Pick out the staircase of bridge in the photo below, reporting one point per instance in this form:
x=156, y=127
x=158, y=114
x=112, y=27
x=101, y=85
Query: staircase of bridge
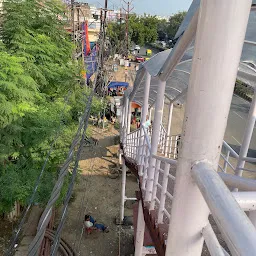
x=136, y=147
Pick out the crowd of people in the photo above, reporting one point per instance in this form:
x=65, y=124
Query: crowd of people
x=136, y=122
x=119, y=91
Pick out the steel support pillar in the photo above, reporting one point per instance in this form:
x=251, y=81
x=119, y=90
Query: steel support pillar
x=252, y=217
x=247, y=136
x=145, y=99
x=129, y=117
x=150, y=113
x=144, y=113
x=155, y=138
x=168, y=138
x=123, y=113
x=124, y=168
x=213, y=75
x=126, y=112
x=140, y=232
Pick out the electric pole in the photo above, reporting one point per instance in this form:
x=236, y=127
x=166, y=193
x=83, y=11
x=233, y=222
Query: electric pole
x=128, y=10
x=73, y=20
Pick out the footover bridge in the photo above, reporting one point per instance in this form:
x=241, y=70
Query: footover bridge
x=185, y=180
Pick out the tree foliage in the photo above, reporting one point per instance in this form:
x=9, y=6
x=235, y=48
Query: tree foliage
x=167, y=29
x=162, y=28
x=37, y=73
x=174, y=24
x=141, y=30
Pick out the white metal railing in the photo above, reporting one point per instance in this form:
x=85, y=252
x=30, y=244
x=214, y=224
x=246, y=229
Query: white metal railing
x=137, y=145
x=227, y=152
x=229, y=217
x=169, y=145
x=161, y=195
x=162, y=139
x=172, y=146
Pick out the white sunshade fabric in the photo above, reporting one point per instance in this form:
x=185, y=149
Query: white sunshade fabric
x=179, y=79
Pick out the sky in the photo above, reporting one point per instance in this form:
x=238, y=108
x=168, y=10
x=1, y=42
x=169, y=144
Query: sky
x=154, y=7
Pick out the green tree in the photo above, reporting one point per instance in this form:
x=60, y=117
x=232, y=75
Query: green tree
x=41, y=38
x=116, y=36
x=36, y=72
x=141, y=30
x=174, y=24
x=162, y=30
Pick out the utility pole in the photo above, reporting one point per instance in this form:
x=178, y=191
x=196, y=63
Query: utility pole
x=103, y=18
x=73, y=20
x=128, y=10
x=78, y=18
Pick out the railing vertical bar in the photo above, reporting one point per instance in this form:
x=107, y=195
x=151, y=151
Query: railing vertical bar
x=153, y=201
x=142, y=159
x=163, y=193
x=225, y=161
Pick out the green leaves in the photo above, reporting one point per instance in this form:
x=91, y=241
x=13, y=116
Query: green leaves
x=16, y=88
x=36, y=32
x=36, y=73
x=174, y=23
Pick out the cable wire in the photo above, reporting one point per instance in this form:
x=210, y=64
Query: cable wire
x=44, y=220
x=71, y=185
x=16, y=234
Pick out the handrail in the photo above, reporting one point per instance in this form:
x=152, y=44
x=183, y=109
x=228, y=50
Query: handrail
x=246, y=200
x=235, y=181
x=233, y=152
x=133, y=131
x=174, y=135
x=249, y=159
x=237, y=230
x=166, y=160
x=248, y=170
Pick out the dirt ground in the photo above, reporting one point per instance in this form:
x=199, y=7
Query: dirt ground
x=123, y=73
x=6, y=228
x=97, y=193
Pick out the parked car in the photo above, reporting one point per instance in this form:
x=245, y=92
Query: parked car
x=139, y=59
x=137, y=47
x=131, y=57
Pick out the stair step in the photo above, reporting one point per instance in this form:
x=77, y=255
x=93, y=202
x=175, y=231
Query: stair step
x=153, y=215
x=163, y=231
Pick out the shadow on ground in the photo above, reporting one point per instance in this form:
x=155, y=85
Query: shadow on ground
x=98, y=194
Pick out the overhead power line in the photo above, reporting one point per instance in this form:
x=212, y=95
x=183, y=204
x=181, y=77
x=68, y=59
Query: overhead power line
x=128, y=10
x=44, y=220
x=17, y=231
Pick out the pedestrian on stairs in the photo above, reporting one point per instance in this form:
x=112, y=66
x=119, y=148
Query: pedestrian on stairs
x=147, y=123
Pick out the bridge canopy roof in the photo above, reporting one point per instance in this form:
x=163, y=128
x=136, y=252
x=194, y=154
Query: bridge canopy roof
x=178, y=80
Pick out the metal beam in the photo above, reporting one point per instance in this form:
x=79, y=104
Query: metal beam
x=207, y=107
x=246, y=200
x=179, y=49
x=139, y=77
x=241, y=183
x=235, y=227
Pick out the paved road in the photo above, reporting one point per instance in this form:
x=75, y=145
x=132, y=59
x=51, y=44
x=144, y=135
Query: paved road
x=236, y=125
x=142, y=51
